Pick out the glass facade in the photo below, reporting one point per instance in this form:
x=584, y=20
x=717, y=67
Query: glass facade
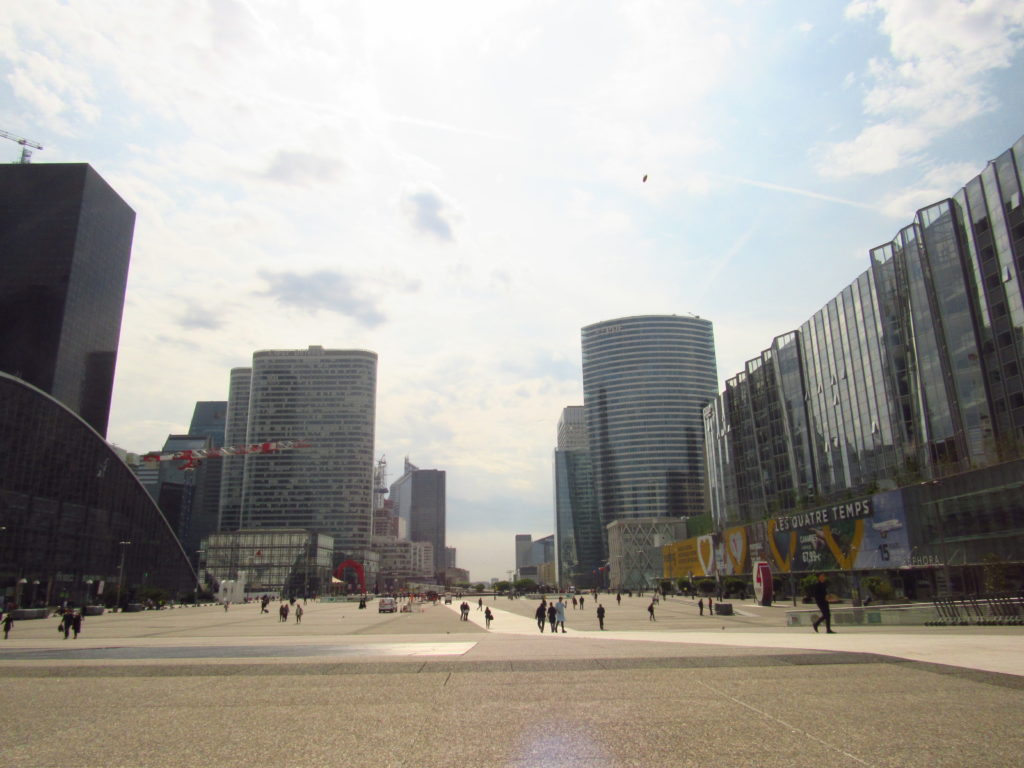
x=911, y=374
x=76, y=521
x=580, y=538
x=419, y=499
x=646, y=380
x=326, y=397
x=275, y=561
x=67, y=239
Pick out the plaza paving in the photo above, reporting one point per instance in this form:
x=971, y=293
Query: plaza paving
x=205, y=687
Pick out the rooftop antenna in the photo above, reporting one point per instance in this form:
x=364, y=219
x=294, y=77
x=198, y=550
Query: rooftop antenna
x=26, y=153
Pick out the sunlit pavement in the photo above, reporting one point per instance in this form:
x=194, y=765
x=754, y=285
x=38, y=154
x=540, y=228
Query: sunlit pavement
x=205, y=687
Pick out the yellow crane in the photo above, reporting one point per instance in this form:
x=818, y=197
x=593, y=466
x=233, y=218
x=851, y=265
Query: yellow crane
x=26, y=153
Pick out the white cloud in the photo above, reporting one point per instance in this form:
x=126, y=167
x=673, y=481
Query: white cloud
x=935, y=78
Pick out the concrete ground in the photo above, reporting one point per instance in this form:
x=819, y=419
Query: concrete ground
x=205, y=687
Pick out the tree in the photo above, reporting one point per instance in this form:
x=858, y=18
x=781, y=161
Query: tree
x=501, y=586
x=525, y=585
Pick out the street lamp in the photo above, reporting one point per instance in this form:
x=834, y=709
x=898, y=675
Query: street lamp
x=120, y=570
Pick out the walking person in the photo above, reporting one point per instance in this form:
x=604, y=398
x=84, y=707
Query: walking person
x=618, y=598
x=541, y=615
x=76, y=623
x=700, y=606
x=480, y=604
x=560, y=615
x=65, y=623
x=600, y=615
x=711, y=608
x=488, y=616
x=575, y=602
x=8, y=623
x=820, y=593
x=650, y=611
x=298, y=614
x=552, y=616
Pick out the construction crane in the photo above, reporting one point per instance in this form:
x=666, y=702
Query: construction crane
x=192, y=457
x=26, y=153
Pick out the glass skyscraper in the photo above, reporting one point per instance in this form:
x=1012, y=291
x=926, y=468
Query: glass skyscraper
x=65, y=244
x=646, y=380
x=580, y=539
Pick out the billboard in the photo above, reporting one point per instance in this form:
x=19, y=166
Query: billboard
x=862, y=534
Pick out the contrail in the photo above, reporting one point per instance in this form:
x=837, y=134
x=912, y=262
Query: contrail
x=794, y=191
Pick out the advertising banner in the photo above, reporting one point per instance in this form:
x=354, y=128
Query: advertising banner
x=863, y=534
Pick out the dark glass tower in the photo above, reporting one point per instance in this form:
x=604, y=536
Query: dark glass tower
x=65, y=243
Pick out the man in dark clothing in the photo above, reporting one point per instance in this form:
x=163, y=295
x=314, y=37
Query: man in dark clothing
x=542, y=615
x=820, y=594
x=600, y=615
x=552, y=616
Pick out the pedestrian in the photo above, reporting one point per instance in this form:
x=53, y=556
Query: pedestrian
x=298, y=614
x=552, y=616
x=541, y=615
x=575, y=602
x=560, y=615
x=488, y=616
x=700, y=606
x=76, y=623
x=581, y=602
x=284, y=611
x=711, y=608
x=600, y=615
x=618, y=598
x=65, y=623
x=8, y=623
x=820, y=594
x=650, y=611
x=480, y=604
x=227, y=604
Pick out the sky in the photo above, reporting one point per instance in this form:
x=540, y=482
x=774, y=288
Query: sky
x=459, y=187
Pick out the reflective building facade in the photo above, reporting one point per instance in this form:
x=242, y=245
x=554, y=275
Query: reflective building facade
x=326, y=397
x=646, y=380
x=911, y=375
x=76, y=520
x=579, y=535
x=65, y=244
x=418, y=497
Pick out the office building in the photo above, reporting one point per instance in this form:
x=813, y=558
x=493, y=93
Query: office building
x=75, y=523
x=285, y=562
x=910, y=379
x=236, y=424
x=418, y=497
x=326, y=398
x=579, y=535
x=65, y=243
x=646, y=381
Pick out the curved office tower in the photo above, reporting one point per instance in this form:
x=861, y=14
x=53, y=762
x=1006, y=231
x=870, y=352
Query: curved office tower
x=645, y=382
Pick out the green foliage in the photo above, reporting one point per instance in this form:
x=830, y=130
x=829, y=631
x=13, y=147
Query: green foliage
x=502, y=586
x=525, y=585
x=735, y=586
x=685, y=585
x=879, y=588
x=479, y=587
x=706, y=586
x=807, y=585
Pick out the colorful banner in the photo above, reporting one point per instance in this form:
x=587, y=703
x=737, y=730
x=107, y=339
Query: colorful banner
x=864, y=534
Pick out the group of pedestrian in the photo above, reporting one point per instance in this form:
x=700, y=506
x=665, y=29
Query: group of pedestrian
x=70, y=621
x=551, y=613
x=464, y=611
x=711, y=607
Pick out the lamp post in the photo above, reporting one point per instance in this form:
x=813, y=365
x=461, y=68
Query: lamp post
x=120, y=570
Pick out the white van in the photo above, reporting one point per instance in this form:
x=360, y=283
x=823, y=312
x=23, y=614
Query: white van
x=387, y=605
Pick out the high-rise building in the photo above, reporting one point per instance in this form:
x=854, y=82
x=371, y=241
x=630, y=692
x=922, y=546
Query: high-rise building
x=579, y=535
x=419, y=499
x=236, y=424
x=65, y=243
x=646, y=381
x=325, y=397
